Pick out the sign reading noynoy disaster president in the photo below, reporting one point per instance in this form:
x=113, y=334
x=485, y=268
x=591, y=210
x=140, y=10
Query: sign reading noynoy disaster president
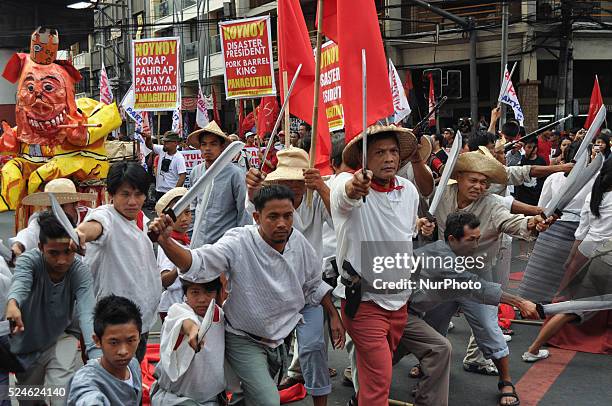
x=246, y=47
x=330, y=86
x=156, y=75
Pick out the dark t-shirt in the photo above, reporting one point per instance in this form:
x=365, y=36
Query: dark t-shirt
x=530, y=194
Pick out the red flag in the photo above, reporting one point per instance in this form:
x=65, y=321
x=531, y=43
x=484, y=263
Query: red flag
x=294, y=48
x=267, y=112
x=247, y=123
x=432, y=101
x=240, y=117
x=353, y=25
x=214, y=108
x=595, y=104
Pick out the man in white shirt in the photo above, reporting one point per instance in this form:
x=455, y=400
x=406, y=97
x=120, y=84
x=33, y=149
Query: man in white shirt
x=273, y=274
x=382, y=227
x=171, y=170
x=119, y=253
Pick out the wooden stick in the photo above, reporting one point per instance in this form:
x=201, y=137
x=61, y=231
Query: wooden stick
x=529, y=322
x=80, y=125
x=317, y=91
x=287, y=125
x=158, y=127
x=399, y=403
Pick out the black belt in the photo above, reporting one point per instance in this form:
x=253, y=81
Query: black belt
x=253, y=336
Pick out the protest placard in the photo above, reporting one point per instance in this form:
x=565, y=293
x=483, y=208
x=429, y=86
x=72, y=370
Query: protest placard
x=246, y=47
x=330, y=86
x=155, y=74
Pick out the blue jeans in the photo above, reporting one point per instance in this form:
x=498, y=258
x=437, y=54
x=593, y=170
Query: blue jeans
x=312, y=351
x=481, y=318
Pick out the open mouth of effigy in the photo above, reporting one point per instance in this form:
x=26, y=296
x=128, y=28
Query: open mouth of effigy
x=48, y=124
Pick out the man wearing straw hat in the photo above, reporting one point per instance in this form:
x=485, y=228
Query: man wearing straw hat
x=374, y=297
x=171, y=170
x=474, y=172
x=309, y=364
x=221, y=206
x=66, y=194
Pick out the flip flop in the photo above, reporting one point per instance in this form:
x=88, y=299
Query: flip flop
x=512, y=394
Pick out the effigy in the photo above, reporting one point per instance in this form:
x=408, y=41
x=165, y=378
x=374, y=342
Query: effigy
x=55, y=135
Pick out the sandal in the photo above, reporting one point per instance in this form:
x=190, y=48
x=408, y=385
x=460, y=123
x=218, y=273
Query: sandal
x=416, y=372
x=512, y=394
x=332, y=372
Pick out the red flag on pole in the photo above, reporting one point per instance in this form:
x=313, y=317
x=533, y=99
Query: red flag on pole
x=353, y=25
x=432, y=101
x=214, y=108
x=595, y=104
x=267, y=112
x=294, y=48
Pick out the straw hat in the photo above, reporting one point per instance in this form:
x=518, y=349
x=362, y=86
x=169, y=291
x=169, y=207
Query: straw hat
x=291, y=162
x=481, y=163
x=212, y=128
x=168, y=197
x=405, y=138
x=64, y=191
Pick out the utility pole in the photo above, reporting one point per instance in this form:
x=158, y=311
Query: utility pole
x=469, y=25
x=504, y=54
x=564, y=56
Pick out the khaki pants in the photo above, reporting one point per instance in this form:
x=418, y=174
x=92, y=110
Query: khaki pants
x=54, y=367
x=433, y=351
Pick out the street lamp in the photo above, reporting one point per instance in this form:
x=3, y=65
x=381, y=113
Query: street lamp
x=81, y=5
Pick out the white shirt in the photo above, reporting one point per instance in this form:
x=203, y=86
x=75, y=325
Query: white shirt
x=183, y=372
x=267, y=289
x=554, y=185
x=122, y=262
x=594, y=231
x=385, y=217
x=173, y=293
x=164, y=181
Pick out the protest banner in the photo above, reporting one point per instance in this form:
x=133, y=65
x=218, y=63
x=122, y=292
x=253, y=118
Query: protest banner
x=192, y=157
x=330, y=86
x=155, y=74
x=246, y=46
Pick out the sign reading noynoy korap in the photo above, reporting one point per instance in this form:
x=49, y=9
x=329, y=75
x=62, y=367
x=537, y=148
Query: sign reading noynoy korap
x=155, y=73
x=330, y=86
x=246, y=47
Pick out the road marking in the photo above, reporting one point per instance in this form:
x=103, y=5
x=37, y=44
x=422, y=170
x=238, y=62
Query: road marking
x=538, y=379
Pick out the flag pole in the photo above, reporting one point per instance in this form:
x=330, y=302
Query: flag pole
x=317, y=91
x=285, y=84
x=364, y=116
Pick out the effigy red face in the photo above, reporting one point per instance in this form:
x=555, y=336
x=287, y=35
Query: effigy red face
x=45, y=102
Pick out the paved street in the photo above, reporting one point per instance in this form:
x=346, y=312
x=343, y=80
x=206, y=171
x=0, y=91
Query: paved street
x=566, y=378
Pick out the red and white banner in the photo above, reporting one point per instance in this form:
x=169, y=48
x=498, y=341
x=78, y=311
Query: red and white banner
x=246, y=46
x=106, y=94
x=432, y=101
x=252, y=154
x=156, y=74
x=330, y=86
x=400, y=102
x=202, y=109
x=192, y=157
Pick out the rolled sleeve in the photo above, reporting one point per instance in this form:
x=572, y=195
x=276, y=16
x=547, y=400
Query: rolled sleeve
x=211, y=260
x=514, y=225
x=316, y=291
x=339, y=198
x=102, y=216
x=517, y=175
